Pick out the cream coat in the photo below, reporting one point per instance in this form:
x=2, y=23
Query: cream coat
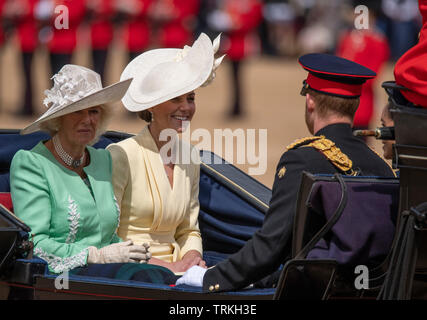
x=151, y=210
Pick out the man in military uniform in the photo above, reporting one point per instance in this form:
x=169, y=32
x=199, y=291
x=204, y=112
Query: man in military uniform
x=332, y=90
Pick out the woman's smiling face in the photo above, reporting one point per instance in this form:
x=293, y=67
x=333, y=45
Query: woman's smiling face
x=175, y=113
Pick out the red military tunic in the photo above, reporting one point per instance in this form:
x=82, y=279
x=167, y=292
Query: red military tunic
x=370, y=49
x=245, y=16
x=178, y=31
x=101, y=27
x=137, y=29
x=65, y=40
x=27, y=28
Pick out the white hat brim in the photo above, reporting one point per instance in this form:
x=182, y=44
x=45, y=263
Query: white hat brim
x=104, y=96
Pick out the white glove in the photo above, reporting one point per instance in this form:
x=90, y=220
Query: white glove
x=147, y=254
x=193, y=277
x=121, y=252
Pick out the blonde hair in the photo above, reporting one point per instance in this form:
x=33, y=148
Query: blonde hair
x=52, y=126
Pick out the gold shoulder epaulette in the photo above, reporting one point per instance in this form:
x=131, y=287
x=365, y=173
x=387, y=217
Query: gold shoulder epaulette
x=300, y=142
x=333, y=154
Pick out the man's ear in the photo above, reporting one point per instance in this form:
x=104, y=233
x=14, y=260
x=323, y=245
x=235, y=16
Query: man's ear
x=311, y=104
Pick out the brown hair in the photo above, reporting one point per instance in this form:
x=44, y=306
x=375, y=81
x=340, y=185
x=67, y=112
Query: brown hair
x=145, y=115
x=327, y=104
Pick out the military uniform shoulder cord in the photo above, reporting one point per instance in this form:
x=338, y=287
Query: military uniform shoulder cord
x=328, y=148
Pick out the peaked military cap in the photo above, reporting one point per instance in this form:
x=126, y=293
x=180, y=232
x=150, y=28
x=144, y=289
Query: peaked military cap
x=334, y=75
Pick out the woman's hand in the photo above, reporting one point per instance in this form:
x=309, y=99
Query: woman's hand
x=121, y=252
x=191, y=258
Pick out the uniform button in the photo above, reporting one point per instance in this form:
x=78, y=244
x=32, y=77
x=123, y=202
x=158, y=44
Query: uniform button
x=217, y=286
x=211, y=288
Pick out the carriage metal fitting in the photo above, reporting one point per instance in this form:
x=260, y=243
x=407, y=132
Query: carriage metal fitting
x=420, y=215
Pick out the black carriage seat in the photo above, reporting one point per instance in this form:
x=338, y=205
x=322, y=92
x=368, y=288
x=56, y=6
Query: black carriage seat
x=232, y=208
x=362, y=235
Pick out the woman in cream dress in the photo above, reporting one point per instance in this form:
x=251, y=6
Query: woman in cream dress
x=156, y=189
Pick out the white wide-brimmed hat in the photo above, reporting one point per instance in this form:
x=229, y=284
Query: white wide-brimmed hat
x=76, y=88
x=163, y=74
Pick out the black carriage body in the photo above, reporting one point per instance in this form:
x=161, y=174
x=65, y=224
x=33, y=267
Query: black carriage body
x=232, y=208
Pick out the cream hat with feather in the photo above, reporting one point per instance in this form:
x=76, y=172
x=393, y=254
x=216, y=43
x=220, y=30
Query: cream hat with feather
x=76, y=88
x=163, y=74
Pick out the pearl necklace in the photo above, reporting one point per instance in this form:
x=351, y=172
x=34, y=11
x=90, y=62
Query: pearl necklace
x=64, y=155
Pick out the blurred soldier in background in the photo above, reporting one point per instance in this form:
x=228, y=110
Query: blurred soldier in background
x=278, y=28
x=173, y=22
x=100, y=14
x=136, y=27
x=401, y=22
x=20, y=14
x=133, y=15
x=321, y=22
x=368, y=47
x=61, y=20
x=238, y=19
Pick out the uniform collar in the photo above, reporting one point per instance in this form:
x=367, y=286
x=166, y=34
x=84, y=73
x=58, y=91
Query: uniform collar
x=335, y=129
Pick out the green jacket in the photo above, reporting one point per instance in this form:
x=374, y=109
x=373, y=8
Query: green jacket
x=65, y=219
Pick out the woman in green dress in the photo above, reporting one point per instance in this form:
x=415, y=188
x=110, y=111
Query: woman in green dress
x=62, y=187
